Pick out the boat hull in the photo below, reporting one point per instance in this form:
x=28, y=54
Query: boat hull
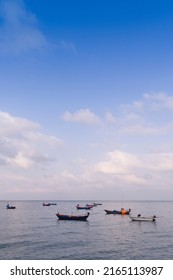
x=84, y=207
x=143, y=219
x=121, y=212
x=72, y=217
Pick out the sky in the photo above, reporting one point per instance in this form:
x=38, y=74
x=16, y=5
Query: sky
x=86, y=100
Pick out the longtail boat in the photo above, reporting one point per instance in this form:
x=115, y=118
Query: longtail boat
x=10, y=207
x=120, y=212
x=46, y=204
x=72, y=217
x=87, y=207
x=95, y=203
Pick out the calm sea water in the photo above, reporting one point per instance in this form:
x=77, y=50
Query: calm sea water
x=32, y=231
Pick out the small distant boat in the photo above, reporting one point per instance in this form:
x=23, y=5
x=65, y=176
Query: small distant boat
x=53, y=203
x=10, y=207
x=119, y=212
x=90, y=205
x=95, y=204
x=145, y=219
x=46, y=204
x=87, y=207
x=73, y=217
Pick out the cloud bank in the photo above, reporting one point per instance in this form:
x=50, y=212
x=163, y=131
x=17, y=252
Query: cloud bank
x=134, y=154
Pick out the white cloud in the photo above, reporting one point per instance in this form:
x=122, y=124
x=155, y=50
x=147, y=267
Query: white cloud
x=22, y=144
x=133, y=123
x=148, y=116
x=21, y=161
x=19, y=31
x=81, y=116
x=118, y=162
x=160, y=161
x=14, y=126
x=157, y=101
x=30, y=158
x=149, y=102
x=129, y=171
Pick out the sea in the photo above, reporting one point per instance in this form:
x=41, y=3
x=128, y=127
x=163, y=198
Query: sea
x=33, y=232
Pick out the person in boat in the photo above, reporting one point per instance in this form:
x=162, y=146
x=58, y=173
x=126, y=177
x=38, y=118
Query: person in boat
x=124, y=212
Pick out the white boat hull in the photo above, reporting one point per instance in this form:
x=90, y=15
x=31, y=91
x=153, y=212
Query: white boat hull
x=144, y=219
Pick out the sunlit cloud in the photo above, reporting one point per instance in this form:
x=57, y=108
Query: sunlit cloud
x=118, y=162
x=22, y=144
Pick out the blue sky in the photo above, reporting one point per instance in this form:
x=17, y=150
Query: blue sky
x=86, y=99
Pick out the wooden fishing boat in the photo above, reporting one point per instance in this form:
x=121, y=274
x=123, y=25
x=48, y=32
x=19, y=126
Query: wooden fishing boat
x=89, y=207
x=119, y=212
x=73, y=217
x=46, y=204
x=10, y=207
x=95, y=203
x=140, y=218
